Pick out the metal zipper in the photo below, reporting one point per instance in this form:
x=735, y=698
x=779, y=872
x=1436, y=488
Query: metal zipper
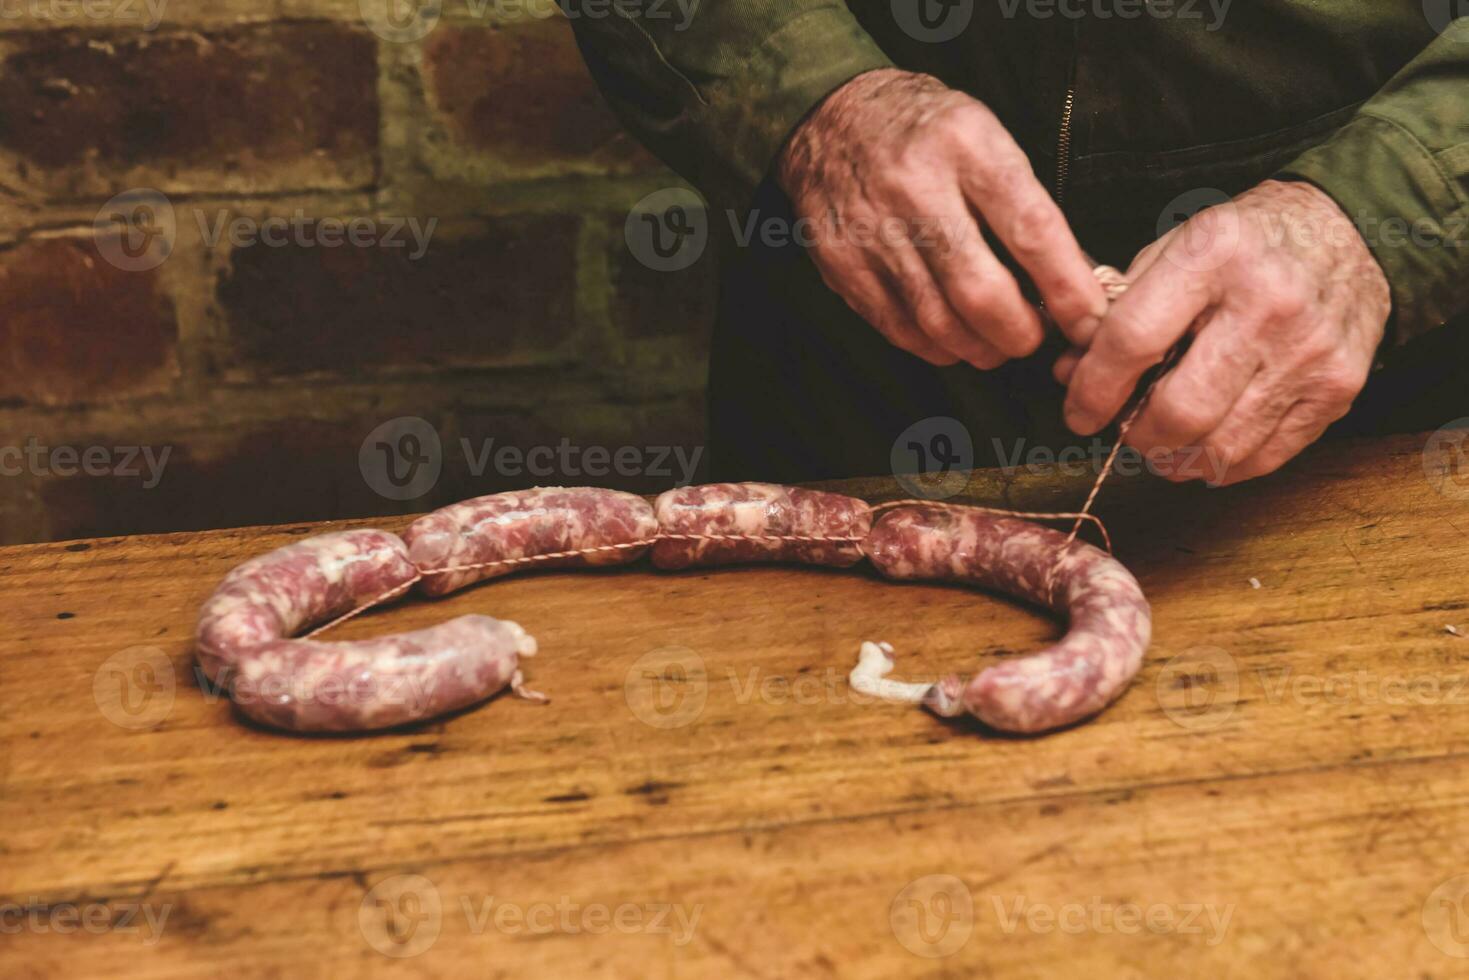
x=1063, y=146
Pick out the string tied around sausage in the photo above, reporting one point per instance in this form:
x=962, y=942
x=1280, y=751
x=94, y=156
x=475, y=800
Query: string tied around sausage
x=876, y=658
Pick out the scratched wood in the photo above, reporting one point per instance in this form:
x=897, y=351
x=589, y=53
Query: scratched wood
x=1281, y=793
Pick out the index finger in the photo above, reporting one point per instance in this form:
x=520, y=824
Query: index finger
x=1141, y=262
x=1036, y=234
x=1138, y=331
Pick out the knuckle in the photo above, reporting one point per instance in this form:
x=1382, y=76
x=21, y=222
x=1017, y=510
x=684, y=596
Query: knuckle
x=910, y=182
x=1338, y=386
x=903, y=177
x=1216, y=226
x=1318, y=351
x=1018, y=341
x=1001, y=170
x=944, y=335
x=1011, y=180
x=1340, y=377
x=991, y=310
x=1210, y=237
x=1281, y=291
x=1069, y=305
x=916, y=291
x=1135, y=342
x=1036, y=225
x=1209, y=219
x=950, y=129
x=978, y=297
x=966, y=116
x=937, y=323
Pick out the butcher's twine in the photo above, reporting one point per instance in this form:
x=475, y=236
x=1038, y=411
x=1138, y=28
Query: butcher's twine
x=1113, y=284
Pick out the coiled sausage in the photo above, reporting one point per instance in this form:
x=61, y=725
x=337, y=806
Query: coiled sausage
x=1110, y=621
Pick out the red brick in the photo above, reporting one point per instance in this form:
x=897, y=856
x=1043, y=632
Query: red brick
x=75, y=328
x=504, y=295
x=81, y=107
x=523, y=94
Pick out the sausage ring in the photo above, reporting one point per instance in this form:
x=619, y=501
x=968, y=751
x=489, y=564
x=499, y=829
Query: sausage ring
x=244, y=639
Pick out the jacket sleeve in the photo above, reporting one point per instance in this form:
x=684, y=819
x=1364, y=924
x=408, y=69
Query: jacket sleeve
x=1400, y=170
x=715, y=88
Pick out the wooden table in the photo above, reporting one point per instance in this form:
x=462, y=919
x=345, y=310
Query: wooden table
x=1283, y=791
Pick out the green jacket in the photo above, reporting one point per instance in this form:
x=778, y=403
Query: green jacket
x=1368, y=99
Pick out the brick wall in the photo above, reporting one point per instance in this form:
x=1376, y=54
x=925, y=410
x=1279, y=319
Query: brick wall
x=238, y=242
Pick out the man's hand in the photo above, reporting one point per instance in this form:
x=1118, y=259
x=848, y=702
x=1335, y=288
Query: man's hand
x=895, y=171
x=1288, y=307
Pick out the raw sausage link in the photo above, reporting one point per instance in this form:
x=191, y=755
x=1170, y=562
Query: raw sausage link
x=759, y=510
x=307, y=686
x=1110, y=622
x=275, y=595
x=503, y=530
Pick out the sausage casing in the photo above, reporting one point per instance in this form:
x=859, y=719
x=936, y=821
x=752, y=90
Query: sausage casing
x=308, y=686
x=758, y=522
x=1110, y=621
x=499, y=530
x=273, y=596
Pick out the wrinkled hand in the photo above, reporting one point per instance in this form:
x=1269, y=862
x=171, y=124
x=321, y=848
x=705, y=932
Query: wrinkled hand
x=1287, y=306
x=893, y=174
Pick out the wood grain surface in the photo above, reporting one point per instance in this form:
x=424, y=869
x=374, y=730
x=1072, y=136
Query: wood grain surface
x=1280, y=793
